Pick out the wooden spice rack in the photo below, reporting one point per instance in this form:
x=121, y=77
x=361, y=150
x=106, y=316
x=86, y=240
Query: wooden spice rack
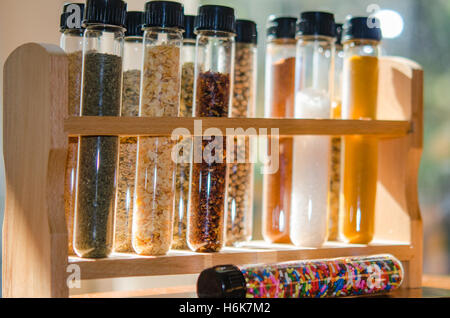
x=36, y=128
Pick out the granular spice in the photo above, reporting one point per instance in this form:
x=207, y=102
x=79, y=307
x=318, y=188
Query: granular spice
x=161, y=82
x=125, y=194
x=75, y=61
x=239, y=217
x=127, y=165
x=240, y=186
x=277, y=186
x=183, y=173
x=70, y=189
x=94, y=220
x=154, y=209
x=187, y=89
x=213, y=94
x=75, y=72
x=209, y=180
x=182, y=184
x=96, y=196
x=335, y=180
x=102, y=84
x=205, y=229
x=130, y=93
x=359, y=153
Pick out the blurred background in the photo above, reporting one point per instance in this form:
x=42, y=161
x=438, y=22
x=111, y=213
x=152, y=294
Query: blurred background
x=416, y=29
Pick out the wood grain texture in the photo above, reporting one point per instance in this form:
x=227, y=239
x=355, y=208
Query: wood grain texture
x=34, y=147
x=185, y=262
x=191, y=292
x=165, y=126
x=163, y=292
x=397, y=206
x=439, y=285
x=436, y=281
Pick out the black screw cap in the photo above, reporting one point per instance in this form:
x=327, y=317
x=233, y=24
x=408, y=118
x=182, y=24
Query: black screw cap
x=282, y=27
x=316, y=23
x=109, y=12
x=133, y=23
x=246, y=32
x=215, y=18
x=224, y=281
x=364, y=28
x=164, y=14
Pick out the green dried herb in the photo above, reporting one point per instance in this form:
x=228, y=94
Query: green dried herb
x=130, y=96
x=94, y=223
x=102, y=84
x=75, y=61
x=96, y=196
x=187, y=89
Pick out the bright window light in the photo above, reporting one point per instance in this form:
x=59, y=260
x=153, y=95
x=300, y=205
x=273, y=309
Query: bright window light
x=391, y=23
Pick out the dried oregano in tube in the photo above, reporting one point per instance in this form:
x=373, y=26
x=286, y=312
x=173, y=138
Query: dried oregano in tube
x=130, y=93
x=72, y=44
x=154, y=205
x=94, y=220
x=209, y=180
x=187, y=89
x=127, y=165
x=335, y=182
x=75, y=61
x=182, y=183
x=125, y=194
x=182, y=179
x=132, y=64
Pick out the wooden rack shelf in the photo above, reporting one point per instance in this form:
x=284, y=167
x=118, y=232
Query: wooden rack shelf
x=186, y=262
x=114, y=126
x=36, y=130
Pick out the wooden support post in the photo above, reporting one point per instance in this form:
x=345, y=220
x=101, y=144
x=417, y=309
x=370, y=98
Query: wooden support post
x=34, y=147
x=398, y=210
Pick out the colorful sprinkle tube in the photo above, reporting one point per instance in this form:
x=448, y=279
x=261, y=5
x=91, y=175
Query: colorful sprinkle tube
x=346, y=276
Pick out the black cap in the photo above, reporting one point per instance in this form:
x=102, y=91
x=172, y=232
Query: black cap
x=133, y=23
x=215, y=18
x=316, y=23
x=110, y=12
x=362, y=28
x=223, y=281
x=164, y=14
x=189, y=27
x=246, y=32
x=69, y=20
x=282, y=27
x=338, y=32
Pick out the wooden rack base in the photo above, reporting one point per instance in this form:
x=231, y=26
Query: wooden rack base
x=186, y=262
x=35, y=259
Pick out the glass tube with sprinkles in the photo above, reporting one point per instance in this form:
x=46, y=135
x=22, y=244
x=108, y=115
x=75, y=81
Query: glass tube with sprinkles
x=346, y=276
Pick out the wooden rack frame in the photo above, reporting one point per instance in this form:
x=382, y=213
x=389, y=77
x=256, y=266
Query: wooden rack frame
x=36, y=128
